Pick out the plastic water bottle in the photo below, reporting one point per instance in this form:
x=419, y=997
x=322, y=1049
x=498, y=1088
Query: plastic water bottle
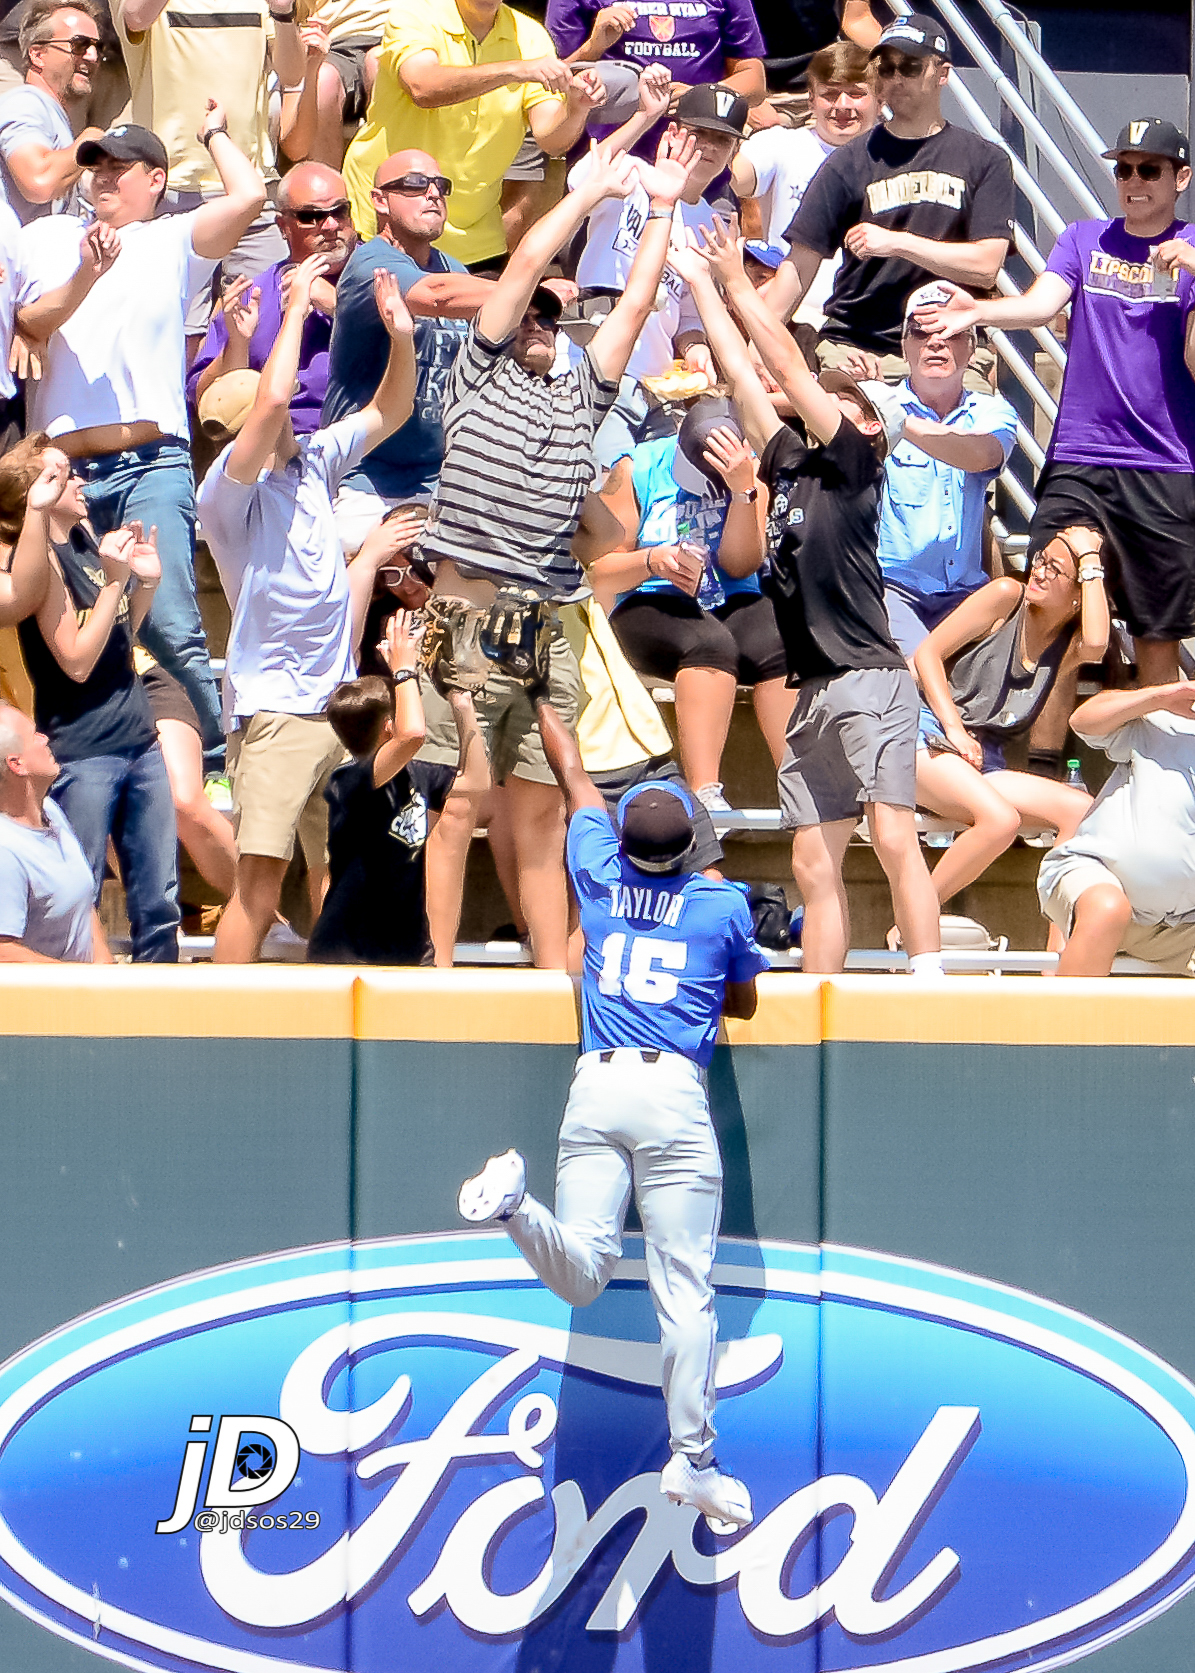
x=711, y=592
x=1074, y=777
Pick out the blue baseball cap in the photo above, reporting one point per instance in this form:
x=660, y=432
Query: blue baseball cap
x=771, y=255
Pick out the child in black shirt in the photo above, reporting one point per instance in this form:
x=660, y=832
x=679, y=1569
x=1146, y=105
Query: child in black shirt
x=382, y=808
x=851, y=743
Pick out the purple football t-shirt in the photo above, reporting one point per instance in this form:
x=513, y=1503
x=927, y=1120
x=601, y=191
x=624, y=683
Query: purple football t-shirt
x=1127, y=396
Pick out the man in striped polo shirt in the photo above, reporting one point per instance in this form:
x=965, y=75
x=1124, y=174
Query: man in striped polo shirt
x=518, y=464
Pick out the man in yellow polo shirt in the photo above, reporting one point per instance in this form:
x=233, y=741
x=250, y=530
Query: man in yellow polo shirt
x=464, y=80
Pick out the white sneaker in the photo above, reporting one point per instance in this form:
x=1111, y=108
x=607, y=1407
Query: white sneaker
x=724, y=1502
x=496, y=1191
x=711, y=798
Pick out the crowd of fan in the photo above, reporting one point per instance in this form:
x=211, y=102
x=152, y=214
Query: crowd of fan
x=492, y=339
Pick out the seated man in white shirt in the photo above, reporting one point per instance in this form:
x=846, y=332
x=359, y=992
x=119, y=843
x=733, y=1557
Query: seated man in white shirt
x=775, y=165
x=104, y=305
x=1125, y=882
x=46, y=887
x=297, y=610
x=717, y=118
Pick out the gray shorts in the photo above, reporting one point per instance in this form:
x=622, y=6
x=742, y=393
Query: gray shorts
x=529, y=164
x=851, y=740
x=506, y=720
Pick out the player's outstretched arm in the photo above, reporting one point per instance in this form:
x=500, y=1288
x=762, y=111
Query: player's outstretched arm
x=564, y=758
x=739, y=999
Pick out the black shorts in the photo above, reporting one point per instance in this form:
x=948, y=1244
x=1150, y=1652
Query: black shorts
x=167, y=699
x=706, y=850
x=1147, y=519
x=661, y=633
x=347, y=57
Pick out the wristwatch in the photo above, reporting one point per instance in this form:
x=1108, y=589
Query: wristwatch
x=749, y=498
x=405, y=674
x=284, y=17
x=209, y=135
x=659, y=215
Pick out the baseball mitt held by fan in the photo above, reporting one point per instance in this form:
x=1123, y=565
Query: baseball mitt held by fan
x=516, y=635
x=451, y=652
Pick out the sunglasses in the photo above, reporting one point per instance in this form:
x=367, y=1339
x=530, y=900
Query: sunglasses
x=310, y=215
x=907, y=68
x=1145, y=171
x=417, y=185
x=78, y=46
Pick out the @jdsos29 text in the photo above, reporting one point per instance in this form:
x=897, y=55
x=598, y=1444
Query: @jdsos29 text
x=254, y=1460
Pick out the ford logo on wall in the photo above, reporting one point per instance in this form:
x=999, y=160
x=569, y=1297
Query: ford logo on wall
x=407, y=1454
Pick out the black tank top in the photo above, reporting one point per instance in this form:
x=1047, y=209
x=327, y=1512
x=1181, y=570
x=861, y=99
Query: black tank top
x=108, y=713
x=993, y=690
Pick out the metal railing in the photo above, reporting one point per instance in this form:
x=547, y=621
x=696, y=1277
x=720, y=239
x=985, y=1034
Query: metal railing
x=1036, y=116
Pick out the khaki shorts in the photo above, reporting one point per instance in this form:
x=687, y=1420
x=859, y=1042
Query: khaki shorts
x=507, y=720
x=279, y=765
x=1170, y=946
x=893, y=369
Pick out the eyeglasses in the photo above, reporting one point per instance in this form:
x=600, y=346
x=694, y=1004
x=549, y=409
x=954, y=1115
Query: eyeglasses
x=310, y=215
x=1145, y=171
x=418, y=185
x=1050, y=568
x=78, y=45
x=908, y=68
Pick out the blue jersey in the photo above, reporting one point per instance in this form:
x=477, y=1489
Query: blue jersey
x=659, y=950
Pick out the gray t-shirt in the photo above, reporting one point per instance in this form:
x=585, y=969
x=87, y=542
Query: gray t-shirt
x=1142, y=826
x=30, y=116
x=46, y=887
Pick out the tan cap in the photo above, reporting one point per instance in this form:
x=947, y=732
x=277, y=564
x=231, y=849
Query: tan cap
x=227, y=402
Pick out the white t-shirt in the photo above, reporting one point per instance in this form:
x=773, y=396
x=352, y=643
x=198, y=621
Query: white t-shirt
x=615, y=227
x=119, y=359
x=282, y=566
x=785, y=160
x=10, y=232
x=1142, y=826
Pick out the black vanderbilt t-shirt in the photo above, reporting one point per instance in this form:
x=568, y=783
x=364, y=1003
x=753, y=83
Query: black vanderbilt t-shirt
x=953, y=187
x=375, y=911
x=825, y=578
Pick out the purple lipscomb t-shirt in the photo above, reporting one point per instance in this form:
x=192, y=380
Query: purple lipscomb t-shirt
x=1127, y=397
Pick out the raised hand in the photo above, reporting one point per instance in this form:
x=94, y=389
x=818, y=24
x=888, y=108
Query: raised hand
x=317, y=43
x=51, y=480
x=733, y=460
x=115, y=549
x=612, y=177
x=1175, y=252
x=99, y=248
x=611, y=24
x=404, y=634
x=588, y=90
x=947, y=319
x=302, y=278
x=214, y=121
x=655, y=89
x=393, y=310
x=142, y=556
x=241, y=306
x=550, y=72
x=665, y=179
x=723, y=249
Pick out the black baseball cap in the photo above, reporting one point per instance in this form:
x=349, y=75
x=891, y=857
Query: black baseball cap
x=655, y=825
x=1150, y=134
x=128, y=143
x=708, y=413
x=918, y=35
x=713, y=106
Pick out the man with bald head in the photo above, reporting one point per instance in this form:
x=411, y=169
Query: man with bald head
x=313, y=217
x=410, y=198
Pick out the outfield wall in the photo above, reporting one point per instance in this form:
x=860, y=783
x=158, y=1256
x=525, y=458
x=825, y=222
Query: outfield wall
x=955, y=1279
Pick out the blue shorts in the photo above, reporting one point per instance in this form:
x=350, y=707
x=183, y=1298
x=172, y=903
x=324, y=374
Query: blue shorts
x=930, y=736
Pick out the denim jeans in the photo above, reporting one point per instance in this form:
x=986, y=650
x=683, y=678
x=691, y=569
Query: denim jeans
x=128, y=797
x=154, y=483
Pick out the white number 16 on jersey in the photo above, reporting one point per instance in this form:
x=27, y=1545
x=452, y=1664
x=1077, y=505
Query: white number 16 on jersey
x=647, y=979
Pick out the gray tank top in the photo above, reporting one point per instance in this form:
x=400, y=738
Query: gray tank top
x=993, y=690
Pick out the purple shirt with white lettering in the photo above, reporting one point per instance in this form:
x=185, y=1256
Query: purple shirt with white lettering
x=1127, y=397
x=691, y=38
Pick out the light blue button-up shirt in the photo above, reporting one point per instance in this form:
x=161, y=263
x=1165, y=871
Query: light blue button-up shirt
x=931, y=514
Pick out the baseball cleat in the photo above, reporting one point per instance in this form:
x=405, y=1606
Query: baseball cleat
x=495, y=1192
x=724, y=1502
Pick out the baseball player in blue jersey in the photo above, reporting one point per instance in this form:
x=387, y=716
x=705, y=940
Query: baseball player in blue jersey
x=667, y=953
